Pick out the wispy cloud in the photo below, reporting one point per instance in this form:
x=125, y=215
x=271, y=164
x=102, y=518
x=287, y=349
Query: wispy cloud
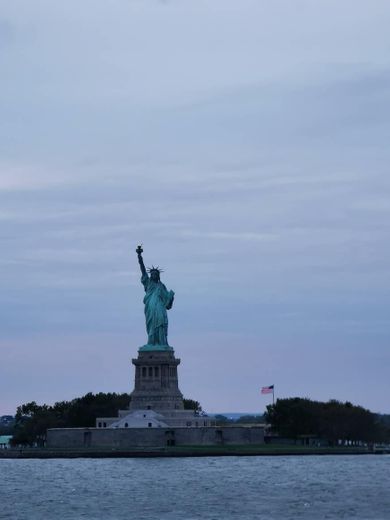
x=227, y=235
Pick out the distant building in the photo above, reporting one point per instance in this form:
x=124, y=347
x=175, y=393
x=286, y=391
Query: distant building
x=5, y=441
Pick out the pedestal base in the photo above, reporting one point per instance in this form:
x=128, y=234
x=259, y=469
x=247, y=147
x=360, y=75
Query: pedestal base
x=156, y=382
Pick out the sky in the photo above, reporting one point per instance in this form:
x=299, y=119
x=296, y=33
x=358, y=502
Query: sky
x=245, y=144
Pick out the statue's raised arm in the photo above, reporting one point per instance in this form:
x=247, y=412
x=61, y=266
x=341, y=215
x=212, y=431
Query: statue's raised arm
x=139, y=252
x=157, y=301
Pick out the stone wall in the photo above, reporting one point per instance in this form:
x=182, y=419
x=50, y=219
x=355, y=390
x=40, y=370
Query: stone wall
x=125, y=438
x=156, y=382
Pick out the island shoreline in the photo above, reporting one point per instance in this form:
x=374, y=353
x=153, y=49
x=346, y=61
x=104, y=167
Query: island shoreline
x=201, y=451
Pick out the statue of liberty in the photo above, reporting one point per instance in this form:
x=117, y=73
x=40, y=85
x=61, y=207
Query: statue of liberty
x=157, y=301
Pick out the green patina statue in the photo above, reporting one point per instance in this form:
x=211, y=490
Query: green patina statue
x=157, y=301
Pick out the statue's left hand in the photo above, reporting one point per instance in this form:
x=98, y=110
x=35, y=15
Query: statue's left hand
x=170, y=300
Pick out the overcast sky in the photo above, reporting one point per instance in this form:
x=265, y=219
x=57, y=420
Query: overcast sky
x=246, y=144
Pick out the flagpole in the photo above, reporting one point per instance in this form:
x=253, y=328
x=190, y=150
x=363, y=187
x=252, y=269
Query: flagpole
x=273, y=394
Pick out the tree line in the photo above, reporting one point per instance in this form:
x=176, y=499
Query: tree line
x=32, y=420
x=290, y=418
x=333, y=420
x=223, y=420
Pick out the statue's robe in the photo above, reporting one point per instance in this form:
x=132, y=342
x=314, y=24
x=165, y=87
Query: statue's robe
x=157, y=300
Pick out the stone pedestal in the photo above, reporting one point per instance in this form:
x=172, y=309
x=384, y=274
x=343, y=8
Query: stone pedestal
x=156, y=382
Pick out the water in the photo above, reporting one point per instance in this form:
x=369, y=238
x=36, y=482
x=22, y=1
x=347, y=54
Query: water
x=245, y=488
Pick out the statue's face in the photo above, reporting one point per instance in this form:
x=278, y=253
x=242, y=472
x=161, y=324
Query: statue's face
x=155, y=276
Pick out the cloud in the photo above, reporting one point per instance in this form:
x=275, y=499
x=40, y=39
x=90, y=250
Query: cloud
x=226, y=235
x=245, y=144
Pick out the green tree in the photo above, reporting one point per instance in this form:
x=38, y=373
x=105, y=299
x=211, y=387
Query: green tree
x=32, y=420
x=332, y=420
x=191, y=404
x=250, y=419
x=222, y=420
x=293, y=417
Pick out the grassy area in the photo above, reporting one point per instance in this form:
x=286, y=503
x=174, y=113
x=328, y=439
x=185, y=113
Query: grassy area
x=264, y=449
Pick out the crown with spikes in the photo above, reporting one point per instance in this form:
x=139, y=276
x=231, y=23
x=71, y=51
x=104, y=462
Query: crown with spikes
x=155, y=269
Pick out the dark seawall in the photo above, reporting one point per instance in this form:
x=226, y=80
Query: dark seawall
x=190, y=451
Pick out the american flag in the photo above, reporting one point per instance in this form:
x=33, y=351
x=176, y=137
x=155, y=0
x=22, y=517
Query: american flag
x=267, y=389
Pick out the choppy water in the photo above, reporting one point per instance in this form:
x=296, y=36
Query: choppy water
x=245, y=488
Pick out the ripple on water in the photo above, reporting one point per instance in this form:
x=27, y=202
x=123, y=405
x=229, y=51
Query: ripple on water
x=333, y=487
